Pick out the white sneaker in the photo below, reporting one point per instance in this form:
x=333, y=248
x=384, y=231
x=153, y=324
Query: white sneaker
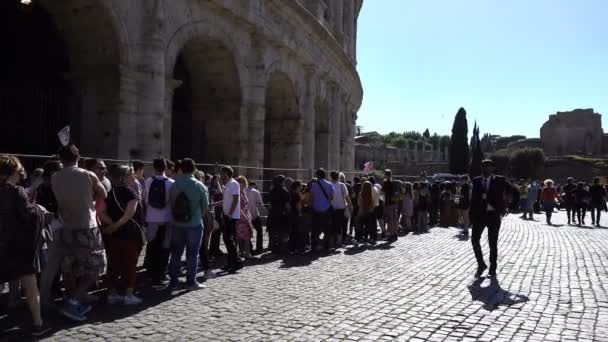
x=132, y=300
x=115, y=299
x=209, y=274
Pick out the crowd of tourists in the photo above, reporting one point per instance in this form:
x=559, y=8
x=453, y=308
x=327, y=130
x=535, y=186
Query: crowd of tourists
x=576, y=198
x=76, y=220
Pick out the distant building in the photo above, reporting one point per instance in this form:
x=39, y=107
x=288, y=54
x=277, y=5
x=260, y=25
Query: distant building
x=577, y=132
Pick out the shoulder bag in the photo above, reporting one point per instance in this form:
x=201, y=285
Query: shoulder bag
x=141, y=230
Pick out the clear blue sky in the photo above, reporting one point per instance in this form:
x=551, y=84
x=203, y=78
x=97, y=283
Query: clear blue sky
x=508, y=63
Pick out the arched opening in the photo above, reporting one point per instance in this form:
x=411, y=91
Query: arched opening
x=34, y=93
x=282, y=127
x=59, y=67
x=322, y=134
x=206, y=106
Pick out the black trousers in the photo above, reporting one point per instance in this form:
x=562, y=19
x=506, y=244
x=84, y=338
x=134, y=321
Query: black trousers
x=581, y=212
x=492, y=221
x=321, y=222
x=338, y=225
x=229, y=231
x=214, y=243
x=157, y=257
x=259, y=237
x=596, y=213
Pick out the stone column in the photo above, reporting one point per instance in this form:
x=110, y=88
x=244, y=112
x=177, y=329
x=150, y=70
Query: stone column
x=127, y=109
x=170, y=86
x=349, y=25
x=338, y=19
x=254, y=100
x=152, y=133
x=335, y=129
x=308, y=114
x=348, y=163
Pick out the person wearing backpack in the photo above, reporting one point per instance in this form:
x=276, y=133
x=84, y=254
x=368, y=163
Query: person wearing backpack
x=158, y=217
x=189, y=200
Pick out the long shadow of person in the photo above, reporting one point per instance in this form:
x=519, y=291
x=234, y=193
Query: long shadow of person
x=492, y=295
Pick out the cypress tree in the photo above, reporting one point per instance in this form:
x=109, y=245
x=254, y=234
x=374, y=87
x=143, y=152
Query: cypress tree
x=478, y=156
x=459, y=144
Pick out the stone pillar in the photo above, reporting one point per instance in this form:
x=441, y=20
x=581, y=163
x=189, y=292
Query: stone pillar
x=349, y=25
x=170, y=86
x=347, y=142
x=254, y=100
x=100, y=95
x=127, y=109
x=308, y=114
x=152, y=133
x=338, y=19
x=335, y=129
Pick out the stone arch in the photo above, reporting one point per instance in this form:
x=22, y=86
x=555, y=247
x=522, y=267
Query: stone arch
x=282, y=125
x=202, y=30
x=206, y=107
x=65, y=56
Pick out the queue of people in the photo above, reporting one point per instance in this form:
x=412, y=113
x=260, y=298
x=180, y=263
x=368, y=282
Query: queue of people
x=81, y=219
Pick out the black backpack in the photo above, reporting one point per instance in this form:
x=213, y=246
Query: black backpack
x=181, y=208
x=157, y=197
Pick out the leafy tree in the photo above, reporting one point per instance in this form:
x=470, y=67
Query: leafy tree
x=400, y=142
x=434, y=140
x=412, y=135
x=527, y=163
x=501, y=161
x=459, y=145
x=444, y=141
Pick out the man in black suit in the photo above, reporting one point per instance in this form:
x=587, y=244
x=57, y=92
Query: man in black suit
x=487, y=209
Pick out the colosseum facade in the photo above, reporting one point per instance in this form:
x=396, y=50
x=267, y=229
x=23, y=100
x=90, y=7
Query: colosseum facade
x=262, y=83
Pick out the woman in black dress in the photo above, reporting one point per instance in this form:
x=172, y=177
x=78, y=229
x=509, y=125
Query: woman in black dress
x=21, y=236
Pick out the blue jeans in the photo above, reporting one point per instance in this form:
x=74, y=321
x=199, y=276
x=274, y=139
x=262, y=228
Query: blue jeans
x=190, y=238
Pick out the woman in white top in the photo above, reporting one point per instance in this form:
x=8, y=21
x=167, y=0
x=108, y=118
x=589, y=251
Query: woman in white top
x=340, y=202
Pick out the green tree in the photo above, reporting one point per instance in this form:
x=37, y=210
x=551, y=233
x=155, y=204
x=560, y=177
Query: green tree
x=434, y=140
x=412, y=135
x=527, y=163
x=478, y=157
x=444, y=141
x=400, y=142
x=501, y=161
x=426, y=134
x=459, y=145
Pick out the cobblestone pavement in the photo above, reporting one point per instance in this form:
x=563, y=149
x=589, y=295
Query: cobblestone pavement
x=552, y=286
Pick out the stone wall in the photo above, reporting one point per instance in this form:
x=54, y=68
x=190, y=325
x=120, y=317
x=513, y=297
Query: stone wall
x=261, y=83
x=576, y=132
x=401, y=160
x=560, y=169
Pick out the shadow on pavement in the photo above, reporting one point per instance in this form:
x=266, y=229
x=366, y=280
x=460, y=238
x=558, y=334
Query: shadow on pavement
x=462, y=237
x=489, y=292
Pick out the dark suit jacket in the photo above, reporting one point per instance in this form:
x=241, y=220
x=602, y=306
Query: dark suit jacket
x=499, y=187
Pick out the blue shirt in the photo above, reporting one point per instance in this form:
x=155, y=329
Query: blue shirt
x=320, y=202
x=198, y=195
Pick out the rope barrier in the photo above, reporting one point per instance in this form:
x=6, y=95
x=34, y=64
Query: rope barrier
x=311, y=171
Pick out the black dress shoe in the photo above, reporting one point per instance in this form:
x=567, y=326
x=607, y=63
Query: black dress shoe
x=235, y=268
x=480, y=270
